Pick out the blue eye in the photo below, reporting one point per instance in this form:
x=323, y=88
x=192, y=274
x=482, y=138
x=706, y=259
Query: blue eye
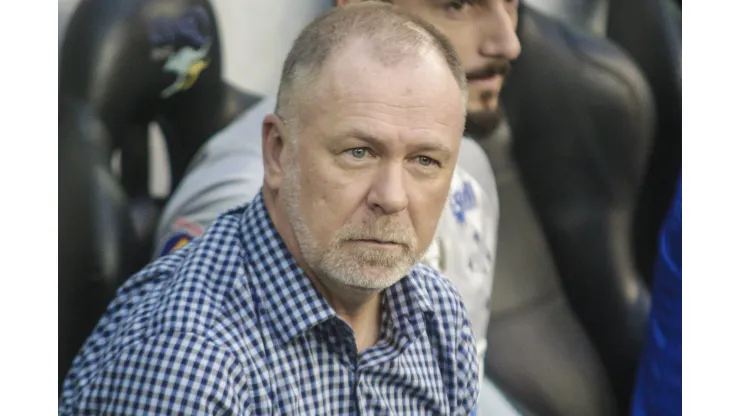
x=358, y=152
x=427, y=161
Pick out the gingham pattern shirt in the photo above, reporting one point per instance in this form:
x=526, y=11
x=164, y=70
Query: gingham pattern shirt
x=230, y=325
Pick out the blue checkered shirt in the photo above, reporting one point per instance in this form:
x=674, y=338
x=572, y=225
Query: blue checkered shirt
x=230, y=325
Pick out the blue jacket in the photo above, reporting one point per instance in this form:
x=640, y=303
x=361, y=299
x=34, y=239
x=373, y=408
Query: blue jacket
x=658, y=388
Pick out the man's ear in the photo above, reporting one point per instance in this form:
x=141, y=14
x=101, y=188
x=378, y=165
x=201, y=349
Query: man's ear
x=346, y=2
x=273, y=151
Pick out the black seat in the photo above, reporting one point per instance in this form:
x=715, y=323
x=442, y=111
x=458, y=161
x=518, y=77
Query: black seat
x=538, y=352
x=96, y=233
x=138, y=62
x=123, y=65
x=650, y=30
x=581, y=119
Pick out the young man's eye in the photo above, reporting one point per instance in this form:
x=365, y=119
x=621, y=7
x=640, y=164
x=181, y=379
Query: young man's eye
x=458, y=5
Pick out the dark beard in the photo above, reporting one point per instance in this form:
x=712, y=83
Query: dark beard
x=481, y=124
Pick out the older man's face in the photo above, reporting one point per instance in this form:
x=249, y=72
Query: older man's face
x=372, y=165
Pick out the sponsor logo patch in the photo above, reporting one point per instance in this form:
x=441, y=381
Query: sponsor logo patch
x=176, y=242
x=184, y=231
x=193, y=228
x=183, y=41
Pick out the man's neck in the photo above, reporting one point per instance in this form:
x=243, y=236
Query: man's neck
x=360, y=309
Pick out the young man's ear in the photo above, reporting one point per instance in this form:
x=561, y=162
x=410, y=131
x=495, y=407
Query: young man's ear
x=273, y=151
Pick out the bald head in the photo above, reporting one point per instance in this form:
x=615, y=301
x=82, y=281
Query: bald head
x=390, y=36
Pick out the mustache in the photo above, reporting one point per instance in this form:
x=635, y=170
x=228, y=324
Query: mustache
x=382, y=231
x=501, y=67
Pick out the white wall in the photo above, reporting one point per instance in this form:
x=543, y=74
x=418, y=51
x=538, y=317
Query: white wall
x=257, y=35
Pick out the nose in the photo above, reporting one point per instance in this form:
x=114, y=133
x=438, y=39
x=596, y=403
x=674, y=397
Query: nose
x=388, y=192
x=499, y=34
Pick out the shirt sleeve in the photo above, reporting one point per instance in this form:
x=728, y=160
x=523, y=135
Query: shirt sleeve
x=170, y=374
x=204, y=194
x=468, y=380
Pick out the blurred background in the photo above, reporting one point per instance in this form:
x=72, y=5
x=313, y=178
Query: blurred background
x=244, y=26
x=593, y=108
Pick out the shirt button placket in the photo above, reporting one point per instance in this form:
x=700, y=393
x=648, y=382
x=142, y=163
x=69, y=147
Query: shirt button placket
x=360, y=392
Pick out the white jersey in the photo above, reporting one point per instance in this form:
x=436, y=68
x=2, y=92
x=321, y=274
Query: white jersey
x=463, y=249
x=228, y=172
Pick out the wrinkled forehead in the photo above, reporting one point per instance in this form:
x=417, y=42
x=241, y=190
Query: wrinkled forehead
x=420, y=89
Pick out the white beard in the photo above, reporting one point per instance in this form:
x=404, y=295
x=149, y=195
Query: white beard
x=346, y=263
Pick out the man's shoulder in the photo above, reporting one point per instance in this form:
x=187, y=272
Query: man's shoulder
x=474, y=164
x=184, y=293
x=170, y=371
x=226, y=171
x=196, y=277
x=218, y=247
x=467, y=191
x=243, y=135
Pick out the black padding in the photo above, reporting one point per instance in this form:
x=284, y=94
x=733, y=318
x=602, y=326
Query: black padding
x=117, y=59
x=581, y=116
x=97, y=243
x=122, y=57
x=650, y=31
x=541, y=357
x=538, y=352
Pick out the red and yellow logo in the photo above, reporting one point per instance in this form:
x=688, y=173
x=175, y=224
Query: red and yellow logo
x=176, y=242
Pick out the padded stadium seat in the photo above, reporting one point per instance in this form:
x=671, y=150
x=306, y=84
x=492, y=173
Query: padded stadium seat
x=581, y=116
x=123, y=65
x=538, y=352
x=96, y=237
x=138, y=62
x=650, y=30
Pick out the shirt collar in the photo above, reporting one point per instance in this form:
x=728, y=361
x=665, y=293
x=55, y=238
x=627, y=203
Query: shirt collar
x=292, y=303
x=407, y=302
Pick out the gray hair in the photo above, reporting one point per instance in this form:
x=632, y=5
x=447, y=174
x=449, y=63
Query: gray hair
x=394, y=34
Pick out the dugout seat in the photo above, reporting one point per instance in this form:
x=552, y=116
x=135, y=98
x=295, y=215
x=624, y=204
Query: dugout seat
x=137, y=63
x=581, y=118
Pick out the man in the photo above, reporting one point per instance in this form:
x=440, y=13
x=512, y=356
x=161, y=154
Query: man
x=309, y=299
x=228, y=170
